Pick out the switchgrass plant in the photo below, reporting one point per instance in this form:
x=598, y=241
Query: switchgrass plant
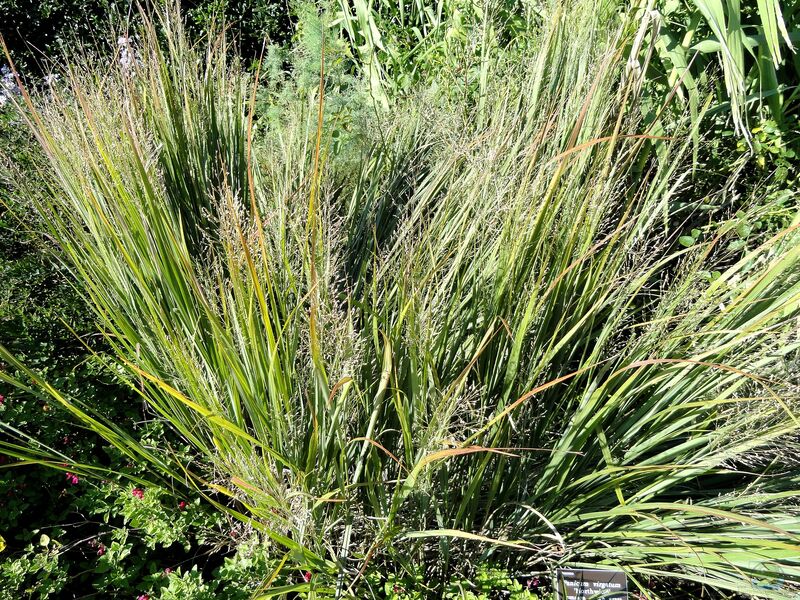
x=471, y=341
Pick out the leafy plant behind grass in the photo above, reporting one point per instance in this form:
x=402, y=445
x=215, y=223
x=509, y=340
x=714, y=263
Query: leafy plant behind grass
x=473, y=338
x=753, y=43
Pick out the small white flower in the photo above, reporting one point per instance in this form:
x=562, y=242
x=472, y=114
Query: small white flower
x=125, y=60
x=8, y=85
x=127, y=54
x=9, y=78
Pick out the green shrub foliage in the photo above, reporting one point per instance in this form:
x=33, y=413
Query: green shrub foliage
x=40, y=32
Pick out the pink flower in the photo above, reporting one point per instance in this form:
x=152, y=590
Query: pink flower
x=307, y=576
x=138, y=493
x=2, y=399
x=167, y=571
x=533, y=584
x=73, y=479
x=182, y=505
x=143, y=597
x=101, y=550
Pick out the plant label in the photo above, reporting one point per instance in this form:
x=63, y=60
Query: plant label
x=583, y=584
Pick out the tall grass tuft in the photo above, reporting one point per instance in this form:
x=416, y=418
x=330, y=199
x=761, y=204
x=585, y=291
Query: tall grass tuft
x=473, y=341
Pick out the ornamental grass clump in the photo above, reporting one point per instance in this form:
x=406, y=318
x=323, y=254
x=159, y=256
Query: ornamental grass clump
x=462, y=335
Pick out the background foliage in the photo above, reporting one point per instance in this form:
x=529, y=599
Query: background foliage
x=39, y=31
